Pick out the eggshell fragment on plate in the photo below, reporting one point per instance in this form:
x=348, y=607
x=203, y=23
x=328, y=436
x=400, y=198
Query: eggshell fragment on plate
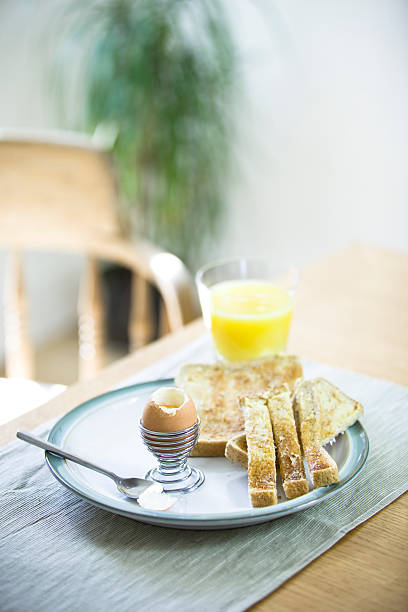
x=169, y=409
x=154, y=499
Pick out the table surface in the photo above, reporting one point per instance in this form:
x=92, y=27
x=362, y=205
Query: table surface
x=351, y=312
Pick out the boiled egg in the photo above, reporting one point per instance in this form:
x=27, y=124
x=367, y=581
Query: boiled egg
x=169, y=409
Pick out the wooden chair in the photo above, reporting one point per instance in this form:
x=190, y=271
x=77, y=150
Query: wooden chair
x=58, y=193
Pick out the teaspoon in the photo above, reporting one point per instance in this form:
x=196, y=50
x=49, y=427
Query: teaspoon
x=131, y=487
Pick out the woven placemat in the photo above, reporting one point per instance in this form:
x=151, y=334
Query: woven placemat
x=59, y=553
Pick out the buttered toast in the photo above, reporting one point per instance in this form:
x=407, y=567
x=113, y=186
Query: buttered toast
x=322, y=467
x=316, y=412
x=291, y=467
x=261, y=452
x=216, y=389
x=337, y=413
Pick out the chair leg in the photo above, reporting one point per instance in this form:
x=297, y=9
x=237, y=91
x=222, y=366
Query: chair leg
x=164, y=326
x=141, y=315
x=91, y=320
x=19, y=351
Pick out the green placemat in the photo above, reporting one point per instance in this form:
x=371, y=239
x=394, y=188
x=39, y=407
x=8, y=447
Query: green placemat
x=59, y=553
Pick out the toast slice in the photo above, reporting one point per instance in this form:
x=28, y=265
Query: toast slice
x=337, y=410
x=285, y=435
x=261, y=452
x=322, y=467
x=216, y=389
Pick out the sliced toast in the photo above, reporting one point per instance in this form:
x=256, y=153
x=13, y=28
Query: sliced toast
x=337, y=412
x=261, y=452
x=291, y=467
x=216, y=389
x=322, y=467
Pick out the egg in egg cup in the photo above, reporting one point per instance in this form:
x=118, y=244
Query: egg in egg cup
x=170, y=428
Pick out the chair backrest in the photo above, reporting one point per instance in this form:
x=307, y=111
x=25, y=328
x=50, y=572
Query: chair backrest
x=64, y=185
x=58, y=192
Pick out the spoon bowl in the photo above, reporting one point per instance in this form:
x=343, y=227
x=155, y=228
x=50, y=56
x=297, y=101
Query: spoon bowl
x=133, y=487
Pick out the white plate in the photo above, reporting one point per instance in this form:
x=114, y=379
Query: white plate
x=105, y=430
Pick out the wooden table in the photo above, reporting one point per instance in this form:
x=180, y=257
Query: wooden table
x=352, y=311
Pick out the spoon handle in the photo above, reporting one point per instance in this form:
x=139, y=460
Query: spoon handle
x=60, y=452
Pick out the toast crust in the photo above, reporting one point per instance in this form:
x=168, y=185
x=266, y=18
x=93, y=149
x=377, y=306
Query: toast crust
x=261, y=498
x=261, y=452
x=209, y=448
x=236, y=450
x=324, y=469
x=296, y=488
x=291, y=467
x=216, y=389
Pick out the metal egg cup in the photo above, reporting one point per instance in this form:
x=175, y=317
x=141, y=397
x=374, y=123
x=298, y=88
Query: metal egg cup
x=171, y=451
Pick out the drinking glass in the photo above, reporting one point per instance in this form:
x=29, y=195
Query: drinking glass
x=248, y=305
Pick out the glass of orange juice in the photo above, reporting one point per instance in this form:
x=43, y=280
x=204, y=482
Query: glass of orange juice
x=248, y=306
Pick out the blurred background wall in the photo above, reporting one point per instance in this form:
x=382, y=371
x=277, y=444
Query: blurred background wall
x=328, y=132
x=323, y=138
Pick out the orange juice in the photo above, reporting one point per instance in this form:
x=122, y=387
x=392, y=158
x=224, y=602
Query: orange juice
x=250, y=318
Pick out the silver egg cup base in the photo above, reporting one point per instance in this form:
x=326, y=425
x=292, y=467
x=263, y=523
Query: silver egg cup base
x=183, y=482
x=171, y=451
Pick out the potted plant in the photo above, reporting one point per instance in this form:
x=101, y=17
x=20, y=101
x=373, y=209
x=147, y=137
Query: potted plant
x=161, y=75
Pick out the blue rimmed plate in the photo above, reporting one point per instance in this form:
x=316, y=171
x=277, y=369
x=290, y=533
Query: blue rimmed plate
x=105, y=430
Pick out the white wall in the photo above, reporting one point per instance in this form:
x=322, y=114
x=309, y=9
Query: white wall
x=323, y=145
x=324, y=157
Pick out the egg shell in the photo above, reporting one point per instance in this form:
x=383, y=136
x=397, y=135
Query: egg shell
x=184, y=414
